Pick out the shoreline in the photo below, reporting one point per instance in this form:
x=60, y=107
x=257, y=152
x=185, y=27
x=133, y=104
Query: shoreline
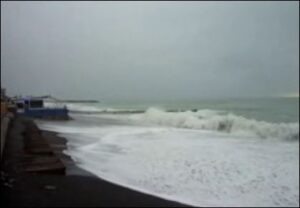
x=75, y=188
x=58, y=145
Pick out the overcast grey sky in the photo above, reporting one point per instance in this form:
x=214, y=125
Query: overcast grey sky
x=153, y=50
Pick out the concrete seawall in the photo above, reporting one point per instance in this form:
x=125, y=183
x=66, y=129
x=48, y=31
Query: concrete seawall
x=5, y=121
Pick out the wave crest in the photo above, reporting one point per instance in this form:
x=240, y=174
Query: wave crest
x=222, y=122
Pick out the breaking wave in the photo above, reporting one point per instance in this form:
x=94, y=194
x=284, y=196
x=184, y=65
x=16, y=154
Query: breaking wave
x=220, y=121
x=204, y=119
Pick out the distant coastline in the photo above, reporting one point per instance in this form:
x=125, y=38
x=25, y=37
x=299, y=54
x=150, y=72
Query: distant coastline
x=75, y=101
x=80, y=101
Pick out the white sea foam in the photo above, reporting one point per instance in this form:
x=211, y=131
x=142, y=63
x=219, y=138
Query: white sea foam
x=203, y=158
x=219, y=121
x=196, y=167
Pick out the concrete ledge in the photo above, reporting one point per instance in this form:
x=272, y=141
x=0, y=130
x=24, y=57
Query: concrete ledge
x=39, y=156
x=44, y=164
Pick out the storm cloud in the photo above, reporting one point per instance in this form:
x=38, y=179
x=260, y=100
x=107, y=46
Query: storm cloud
x=150, y=50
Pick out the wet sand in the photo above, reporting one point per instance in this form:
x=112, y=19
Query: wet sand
x=75, y=188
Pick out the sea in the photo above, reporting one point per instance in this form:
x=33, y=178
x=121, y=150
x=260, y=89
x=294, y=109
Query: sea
x=218, y=152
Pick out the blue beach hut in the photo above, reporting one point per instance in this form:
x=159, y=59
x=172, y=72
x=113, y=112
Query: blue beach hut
x=34, y=107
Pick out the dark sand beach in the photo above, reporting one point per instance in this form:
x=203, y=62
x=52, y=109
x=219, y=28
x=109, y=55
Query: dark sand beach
x=67, y=185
